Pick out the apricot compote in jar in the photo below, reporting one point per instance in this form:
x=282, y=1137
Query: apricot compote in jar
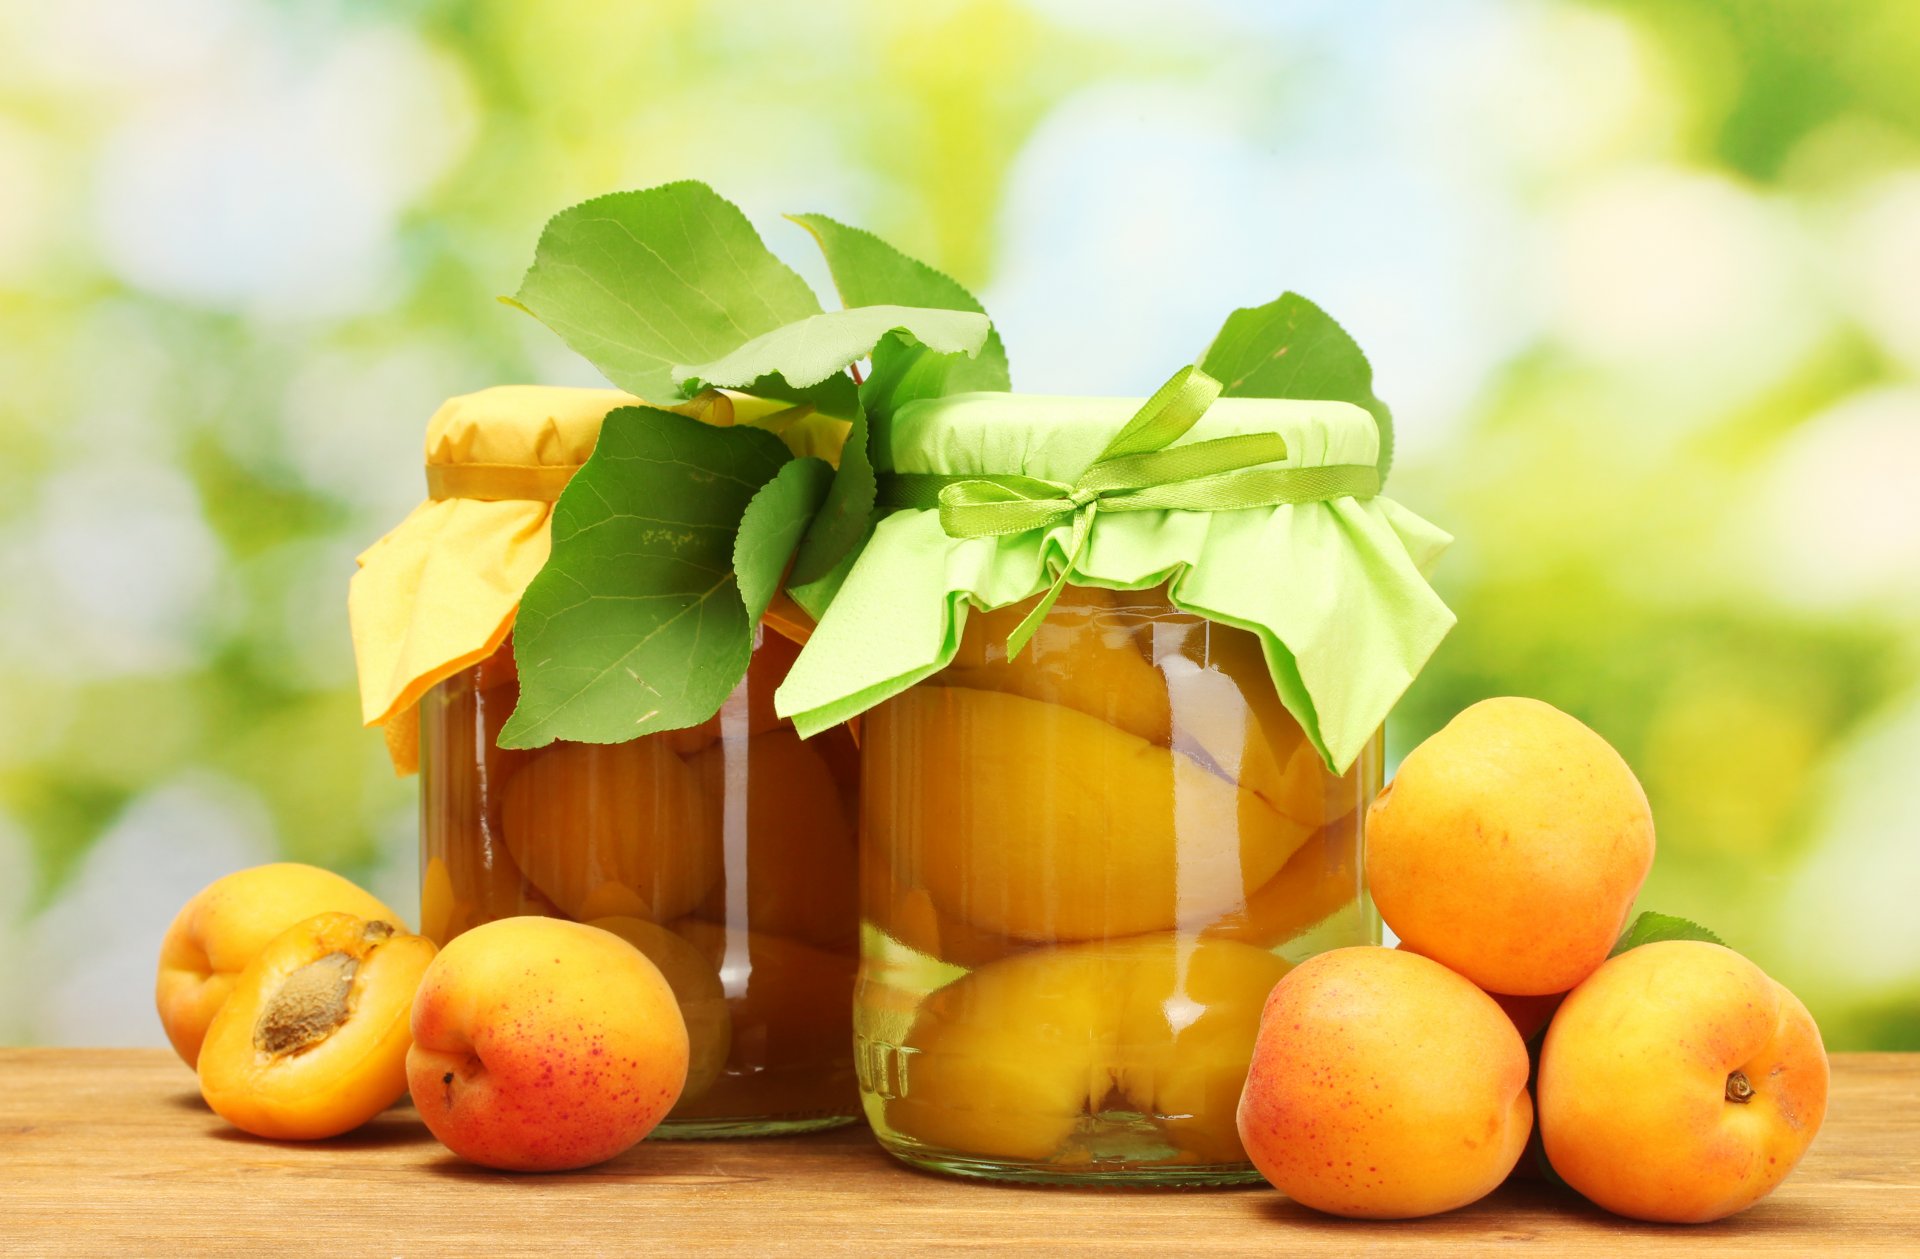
x=1086, y=868
x=723, y=851
x=1120, y=683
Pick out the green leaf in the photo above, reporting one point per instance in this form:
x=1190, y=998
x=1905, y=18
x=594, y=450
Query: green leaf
x=869, y=272
x=810, y=350
x=843, y=523
x=1650, y=928
x=1290, y=348
x=639, y=281
x=771, y=528
x=637, y=623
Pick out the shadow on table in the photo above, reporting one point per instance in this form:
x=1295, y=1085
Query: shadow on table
x=1522, y=1211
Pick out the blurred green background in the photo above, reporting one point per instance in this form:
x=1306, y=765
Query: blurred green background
x=1642, y=281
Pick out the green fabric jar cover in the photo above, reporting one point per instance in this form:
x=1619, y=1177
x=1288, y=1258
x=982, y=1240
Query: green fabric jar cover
x=1258, y=513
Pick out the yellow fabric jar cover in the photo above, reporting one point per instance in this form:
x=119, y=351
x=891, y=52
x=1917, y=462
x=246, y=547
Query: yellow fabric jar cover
x=438, y=594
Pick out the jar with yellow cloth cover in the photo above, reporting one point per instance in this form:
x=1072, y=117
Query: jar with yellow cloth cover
x=722, y=849
x=1119, y=734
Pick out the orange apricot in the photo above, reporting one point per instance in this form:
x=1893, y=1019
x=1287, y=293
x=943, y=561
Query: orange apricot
x=313, y=1041
x=1384, y=1086
x=1510, y=846
x=1679, y=1083
x=542, y=1045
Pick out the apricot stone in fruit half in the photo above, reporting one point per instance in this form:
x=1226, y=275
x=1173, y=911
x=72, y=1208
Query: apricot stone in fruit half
x=1384, y=1086
x=1510, y=846
x=1680, y=1084
x=313, y=1041
x=226, y=925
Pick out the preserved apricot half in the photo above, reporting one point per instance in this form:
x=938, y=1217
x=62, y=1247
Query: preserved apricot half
x=618, y=829
x=791, y=1007
x=1227, y=714
x=314, y=1040
x=802, y=881
x=1316, y=883
x=1038, y=822
x=1094, y=668
x=1007, y=1061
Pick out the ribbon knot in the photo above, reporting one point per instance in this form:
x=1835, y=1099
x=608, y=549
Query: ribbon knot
x=1139, y=470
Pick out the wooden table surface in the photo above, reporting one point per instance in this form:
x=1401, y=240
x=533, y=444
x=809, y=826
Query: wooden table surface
x=110, y=1152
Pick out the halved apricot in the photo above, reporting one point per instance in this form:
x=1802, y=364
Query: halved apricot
x=226, y=925
x=313, y=1041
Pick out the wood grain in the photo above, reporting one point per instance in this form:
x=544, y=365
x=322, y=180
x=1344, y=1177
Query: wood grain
x=110, y=1152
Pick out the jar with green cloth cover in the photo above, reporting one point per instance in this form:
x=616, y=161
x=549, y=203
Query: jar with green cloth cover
x=1121, y=670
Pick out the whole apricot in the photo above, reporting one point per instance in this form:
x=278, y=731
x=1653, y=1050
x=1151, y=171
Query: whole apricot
x=1384, y=1086
x=226, y=925
x=1680, y=1083
x=1510, y=846
x=313, y=1041
x=696, y=986
x=542, y=1045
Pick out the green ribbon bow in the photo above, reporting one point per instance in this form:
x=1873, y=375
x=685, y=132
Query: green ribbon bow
x=1139, y=470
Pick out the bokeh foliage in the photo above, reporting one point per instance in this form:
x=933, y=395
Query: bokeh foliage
x=245, y=249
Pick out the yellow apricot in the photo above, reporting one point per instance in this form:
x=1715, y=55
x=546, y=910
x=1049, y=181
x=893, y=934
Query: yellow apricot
x=1007, y=1061
x=1510, y=846
x=696, y=987
x=610, y=830
x=778, y=795
x=1384, y=1086
x=226, y=925
x=1038, y=822
x=314, y=1040
x=1680, y=1083
x=1083, y=656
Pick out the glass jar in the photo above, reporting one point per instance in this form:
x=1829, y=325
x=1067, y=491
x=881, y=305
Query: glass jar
x=1083, y=870
x=724, y=852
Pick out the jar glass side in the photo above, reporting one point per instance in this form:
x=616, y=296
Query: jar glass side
x=724, y=852
x=1083, y=870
